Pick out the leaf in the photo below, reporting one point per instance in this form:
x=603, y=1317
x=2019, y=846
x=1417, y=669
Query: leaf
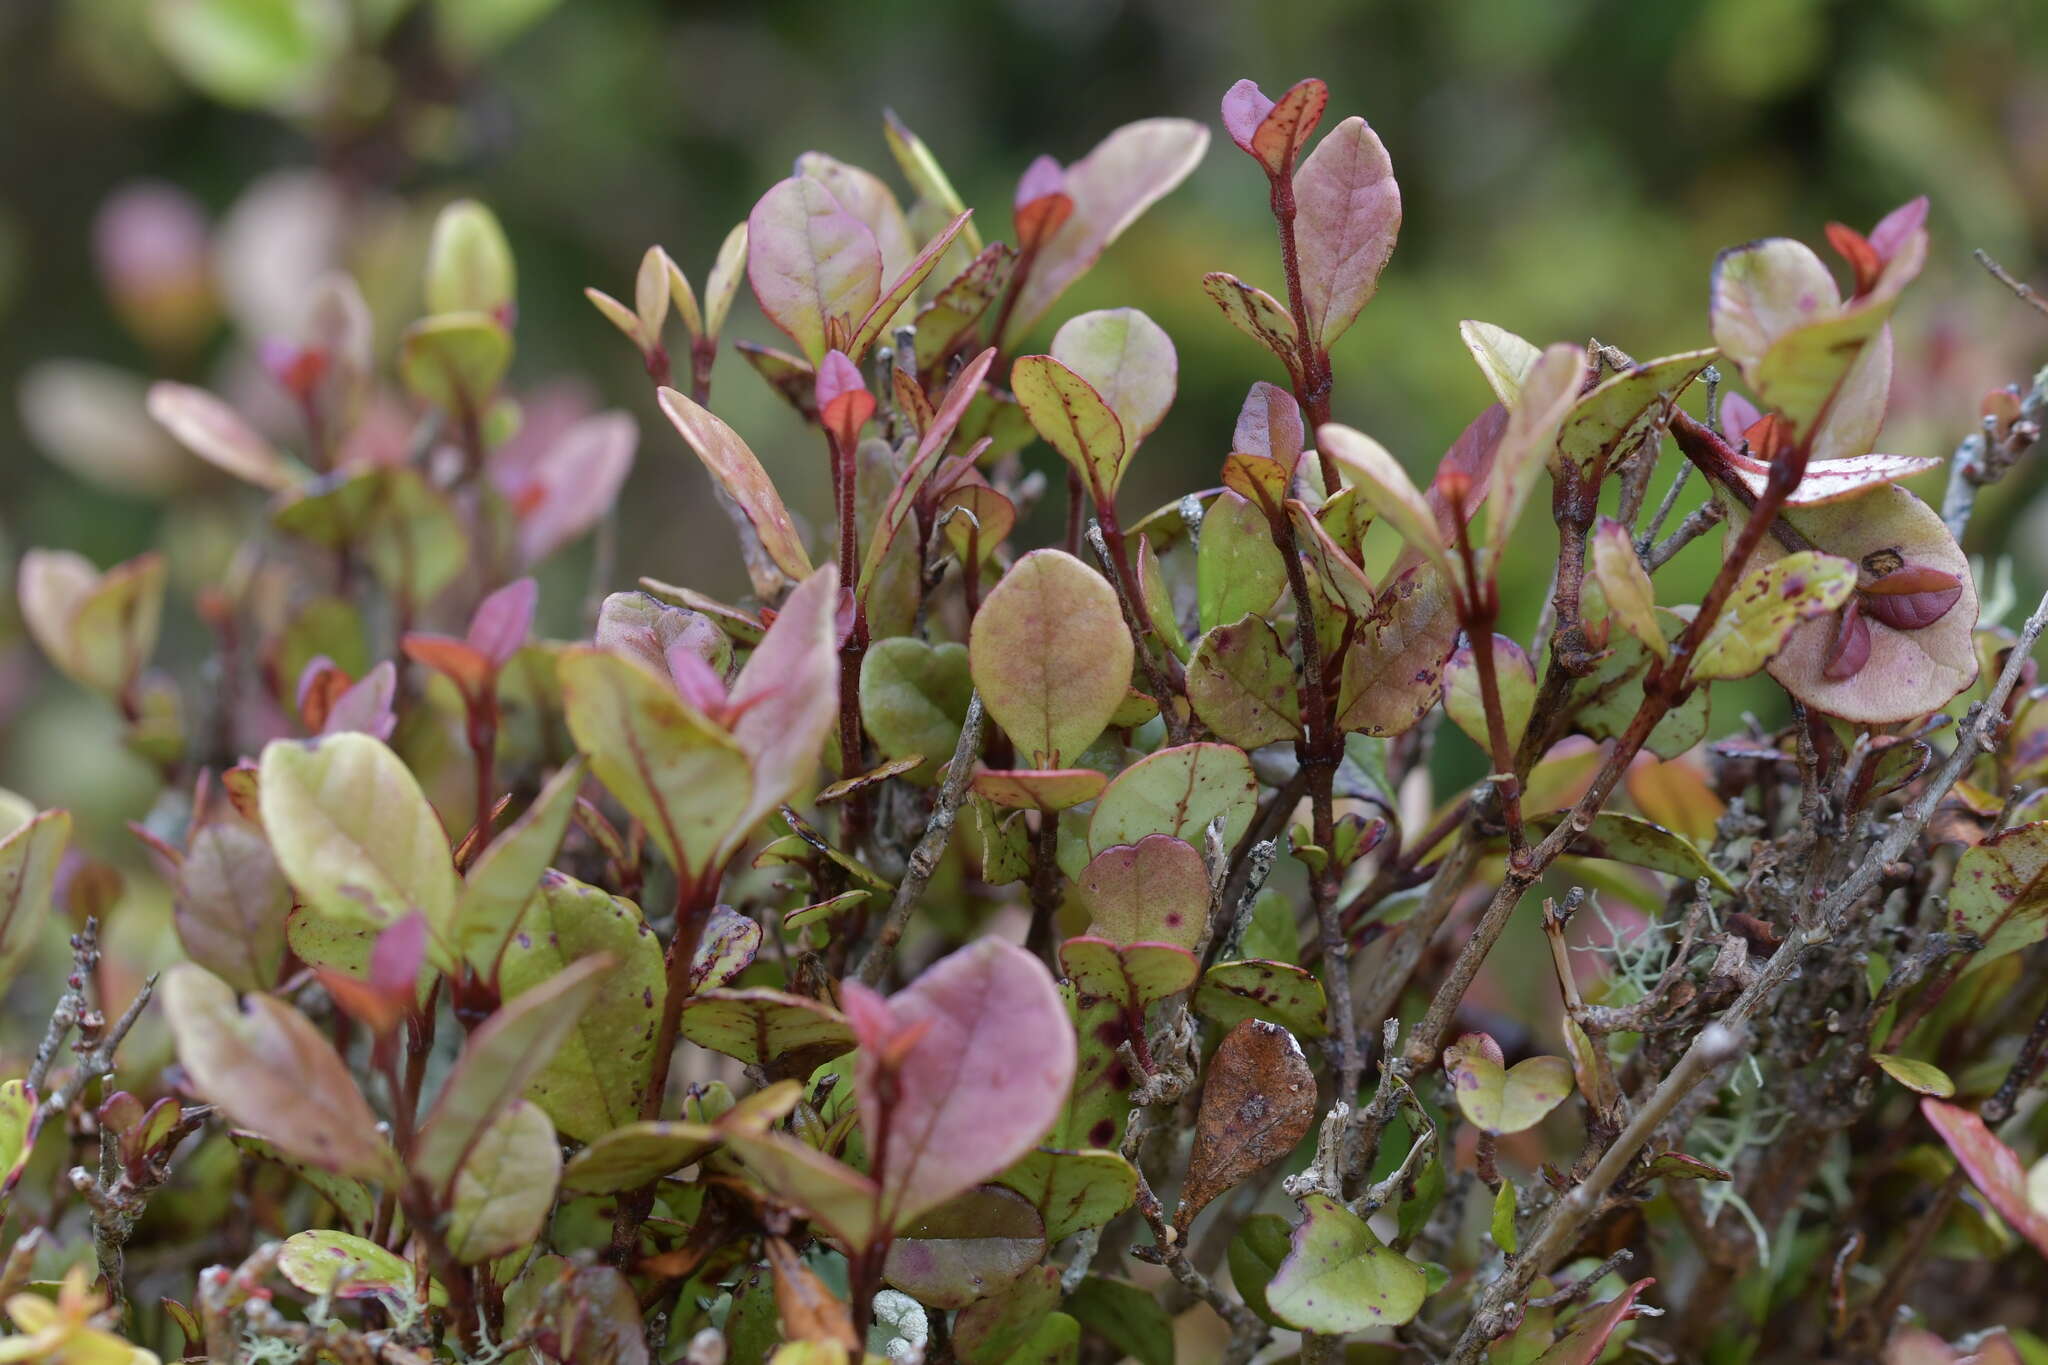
x=1765, y=289
x=498, y=1062
x=1626, y=586
x=1258, y=1102
x=1256, y=1252
x=1587, y=1339
x=740, y=474
x=269, y=1069
x=633, y=1154
x=355, y=835
x=1347, y=214
x=834, y=1195
x=1382, y=481
x=1277, y=992
x=814, y=266
x=1606, y=700
x=506, y=876
x=229, y=903
x=1050, y=654
x=1273, y=132
x=1073, y=1190
x=1254, y=312
x=344, y=1266
x=1922, y=1077
x=507, y=1186
x=21, y=1117
x=1052, y=789
x=596, y=1078
x=1238, y=570
x=967, y=1102
x=1504, y=1099
x=1155, y=890
x=790, y=1035
x=455, y=361
x=1626, y=839
x=1993, y=1168
x=1244, y=686
x=1128, y=1316
x=219, y=435
x=1503, y=358
x=677, y=773
x=725, y=948
x=991, y=1330
x=1124, y=175
x=1075, y=420
x=1549, y=388
x=913, y=700
x=976, y=1243
x=1392, y=676
x=98, y=629
x=1607, y=423
x=1766, y=607
x=29, y=856
x=2000, y=892
x=1177, y=791
x=786, y=698
x=1339, y=1277
x=1128, y=360
x=1909, y=672
x=469, y=263
x=1136, y=976
x=1464, y=702
x=905, y=286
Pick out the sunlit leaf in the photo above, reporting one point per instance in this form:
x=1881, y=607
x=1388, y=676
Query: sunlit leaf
x=1339, y=1277
x=1050, y=655
x=814, y=266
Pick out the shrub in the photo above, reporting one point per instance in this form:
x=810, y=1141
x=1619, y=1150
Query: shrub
x=963, y=951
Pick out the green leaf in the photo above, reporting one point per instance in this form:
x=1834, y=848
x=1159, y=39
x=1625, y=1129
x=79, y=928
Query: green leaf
x=469, y=262
x=1382, y=481
x=355, y=835
x=20, y=1118
x=1548, y=390
x=506, y=1187
x=1278, y=992
x=1606, y=700
x=832, y=1193
x=1136, y=976
x=991, y=1330
x=1607, y=423
x=790, y=1035
x=498, y=1062
x=1254, y=312
x=1244, y=685
x=1630, y=598
x=675, y=771
x=98, y=629
x=1339, y=1277
x=1503, y=1224
x=2000, y=892
x=633, y=1154
x=1128, y=360
x=1392, y=676
x=1764, y=609
x=229, y=902
x=29, y=855
x=594, y=1082
x=1640, y=843
x=1256, y=1251
x=1465, y=702
x=1504, y=1099
x=1050, y=654
x=1177, y=791
x=1073, y=1190
x=345, y=1266
x=455, y=361
x=1075, y=420
x=506, y=876
x=1503, y=358
x=913, y=700
x=1924, y=1077
x=250, y=52
x=270, y=1069
x=1237, y=568
x=1125, y=1315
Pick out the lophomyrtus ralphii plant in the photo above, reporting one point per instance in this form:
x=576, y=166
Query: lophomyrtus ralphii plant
x=965, y=950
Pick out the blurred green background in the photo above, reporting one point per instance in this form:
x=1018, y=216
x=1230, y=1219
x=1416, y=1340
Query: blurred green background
x=1569, y=169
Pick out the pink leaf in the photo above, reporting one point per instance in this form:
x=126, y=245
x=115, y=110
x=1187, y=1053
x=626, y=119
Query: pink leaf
x=1895, y=228
x=396, y=956
x=814, y=266
x=1347, y=214
x=1043, y=204
x=1588, y=1336
x=697, y=682
x=1912, y=596
x=1993, y=1168
x=969, y=1100
x=502, y=621
x=1273, y=133
x=844, y=403
x=1245, y=107
x=787, y=696
x=1738, y=415
x=560, y=492
x=1270, y=424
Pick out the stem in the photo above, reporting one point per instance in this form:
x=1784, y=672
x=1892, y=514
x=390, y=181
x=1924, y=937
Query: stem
x=924, y=859
x=1313, y=379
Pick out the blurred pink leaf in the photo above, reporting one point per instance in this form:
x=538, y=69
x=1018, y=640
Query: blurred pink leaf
x=1992, y=1166
x=786, y=697
x=502, y=621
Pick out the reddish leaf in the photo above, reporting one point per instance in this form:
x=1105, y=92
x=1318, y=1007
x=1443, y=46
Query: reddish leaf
x=502, y=621
x=1993, y=1168
x=844, y=403
x=1348, y=212
x=1589, y=1332
x=815, y=267
x=1270, y=424
x=1042, y=203
x=1273, y=133
x=967, y=1101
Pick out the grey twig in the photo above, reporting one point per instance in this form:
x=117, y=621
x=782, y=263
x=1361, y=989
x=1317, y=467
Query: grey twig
x=1703, y=519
